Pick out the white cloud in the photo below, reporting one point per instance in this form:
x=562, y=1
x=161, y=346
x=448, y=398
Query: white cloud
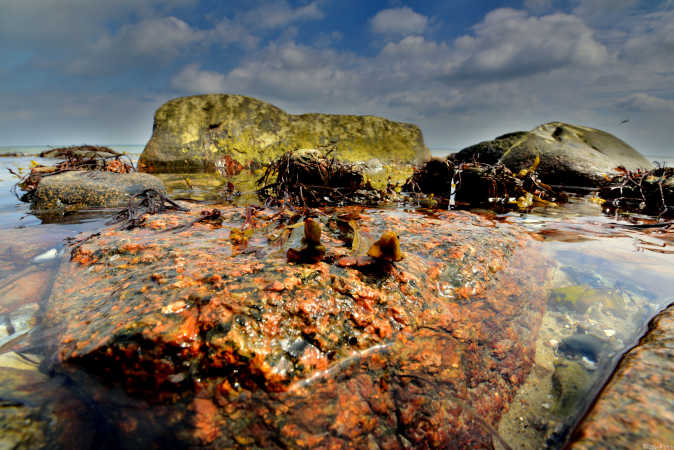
x=279, y=13
x=196, y=81
x=647, y=103
x=538, y=5
x=651, y=42
x=151, y=41
x=156, y=36
x=400, y=21
x=227, y=32
x=511, y=43
x=594, y=8
x=294, y=72
x=52, y=22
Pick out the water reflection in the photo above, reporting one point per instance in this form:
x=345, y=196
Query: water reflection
x=607, y=285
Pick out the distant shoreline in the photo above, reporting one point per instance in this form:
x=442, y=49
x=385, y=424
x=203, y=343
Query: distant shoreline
x=138, y=148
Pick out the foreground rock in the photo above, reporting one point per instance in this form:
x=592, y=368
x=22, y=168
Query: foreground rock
x=74, y=190
x=570, y=155
x=243, y=348
x=636, y=408
x=218, y=131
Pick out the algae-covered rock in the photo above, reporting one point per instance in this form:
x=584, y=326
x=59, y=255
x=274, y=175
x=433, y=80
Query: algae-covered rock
x=570, y=155
x=242, y=348
x=75, y=190
x=199, y=133
x=571, y=383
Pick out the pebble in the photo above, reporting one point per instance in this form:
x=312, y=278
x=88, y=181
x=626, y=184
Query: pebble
x=46, y=256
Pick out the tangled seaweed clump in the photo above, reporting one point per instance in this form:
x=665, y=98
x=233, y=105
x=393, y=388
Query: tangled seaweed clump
x=83, y=157
x=310, y=178
x=477, y=184
x=647, y=192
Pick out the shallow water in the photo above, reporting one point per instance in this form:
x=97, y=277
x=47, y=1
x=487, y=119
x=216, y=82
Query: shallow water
x=606, y=283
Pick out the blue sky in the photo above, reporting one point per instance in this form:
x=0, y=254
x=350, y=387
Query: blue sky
x=77, y=71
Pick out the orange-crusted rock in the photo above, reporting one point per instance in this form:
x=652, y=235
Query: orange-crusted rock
x=242, y=348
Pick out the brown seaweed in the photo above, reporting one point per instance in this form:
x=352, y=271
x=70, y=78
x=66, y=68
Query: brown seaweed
x=447, y=184
x=648, y=192
x=308, y=178
x=83, y=157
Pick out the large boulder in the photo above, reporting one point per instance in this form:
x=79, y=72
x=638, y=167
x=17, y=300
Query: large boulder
x=203, y=316
x=202, y=133
x=570, y=155
x=74, y=190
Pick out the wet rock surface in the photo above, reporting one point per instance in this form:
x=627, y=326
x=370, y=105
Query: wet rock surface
x=235, y=346
x=636, y=408
x=570, y=155
x=75, y=190
x=220, y=132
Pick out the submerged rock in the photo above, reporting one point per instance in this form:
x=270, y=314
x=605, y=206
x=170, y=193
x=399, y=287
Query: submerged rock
x=636, y=408
x=242, y=348
x=73, y=190
x=35, y=411
x=202, y=133
x=570, y=155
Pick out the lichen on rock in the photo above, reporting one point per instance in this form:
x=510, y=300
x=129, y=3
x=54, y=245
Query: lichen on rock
x=196, y=134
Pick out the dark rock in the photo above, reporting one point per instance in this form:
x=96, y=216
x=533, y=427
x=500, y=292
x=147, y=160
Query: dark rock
x=636, y=408
x=75, y=190
x=582, y=345
x=79, y=151
x=570, y=155
x=489, y=152
x=206, y=133
x=242, y=348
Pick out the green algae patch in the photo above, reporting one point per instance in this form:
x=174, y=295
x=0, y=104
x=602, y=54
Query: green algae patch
x=580, y=297
x=196, y=134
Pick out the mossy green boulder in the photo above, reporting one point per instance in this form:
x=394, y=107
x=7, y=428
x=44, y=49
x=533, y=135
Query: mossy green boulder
x=570, y=155
x=202, y=133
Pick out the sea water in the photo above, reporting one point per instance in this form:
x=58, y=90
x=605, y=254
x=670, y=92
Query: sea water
x=606, y=284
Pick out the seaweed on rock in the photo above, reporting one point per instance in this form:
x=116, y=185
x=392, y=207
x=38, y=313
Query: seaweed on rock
x=476, y=184
x=309, y=178
x=648, y=192
x=83, y=157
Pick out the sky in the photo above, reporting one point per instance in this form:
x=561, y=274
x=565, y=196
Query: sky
x=83, y=71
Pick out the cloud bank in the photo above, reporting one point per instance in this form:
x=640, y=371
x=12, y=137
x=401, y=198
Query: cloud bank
x=593, y=62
